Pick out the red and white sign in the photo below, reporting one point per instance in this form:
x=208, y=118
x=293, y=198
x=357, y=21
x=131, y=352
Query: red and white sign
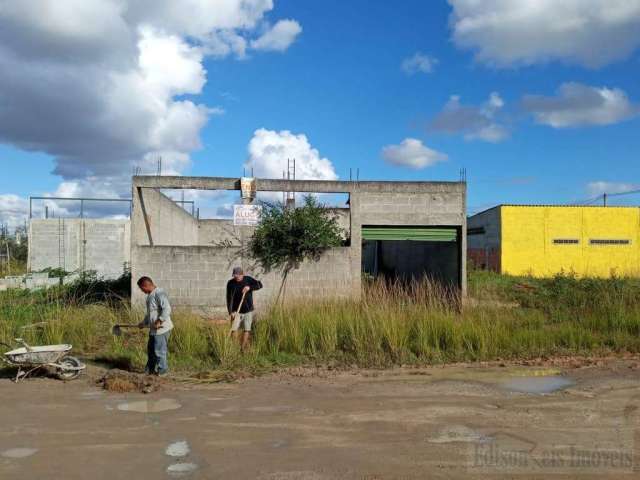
x=246, y=214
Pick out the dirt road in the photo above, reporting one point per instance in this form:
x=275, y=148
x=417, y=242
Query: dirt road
x=441, y=422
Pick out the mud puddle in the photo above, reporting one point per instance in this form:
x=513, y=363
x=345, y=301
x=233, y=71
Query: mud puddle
x=18, y=452
x=178, y=449
x=150, y=406
x=537, y=384
x=181, y=467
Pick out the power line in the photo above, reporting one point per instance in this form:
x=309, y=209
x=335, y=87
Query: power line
x=604, y=196
x=628, y=192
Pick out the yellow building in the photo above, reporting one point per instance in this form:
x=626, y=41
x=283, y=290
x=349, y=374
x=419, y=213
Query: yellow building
x=543, y=240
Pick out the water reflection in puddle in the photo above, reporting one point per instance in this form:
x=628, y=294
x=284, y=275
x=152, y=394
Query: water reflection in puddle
x=18, y=452
x=92, y=395
x=178, y=449
x=150, y=406
x=178, y=469
x=538, y=385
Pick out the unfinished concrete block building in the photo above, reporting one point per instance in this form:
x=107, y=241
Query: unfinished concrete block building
x=402, y=229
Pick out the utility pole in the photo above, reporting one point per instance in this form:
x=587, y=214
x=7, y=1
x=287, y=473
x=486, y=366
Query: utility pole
x=604, y=199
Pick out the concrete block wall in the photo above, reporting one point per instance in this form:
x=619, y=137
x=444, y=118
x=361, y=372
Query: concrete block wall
x=77, y=245
x=54, y=243
x=197, y=276
x=35, y=281
x=215, y=232
x=161, y=221
x=424, y=209
x=107, y=248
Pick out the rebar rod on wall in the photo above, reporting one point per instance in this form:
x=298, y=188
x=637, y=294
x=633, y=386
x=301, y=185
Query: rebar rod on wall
x=82, y=201
x=77, y=199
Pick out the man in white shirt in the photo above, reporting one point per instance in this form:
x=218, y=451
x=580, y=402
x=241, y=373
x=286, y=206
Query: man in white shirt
x=158, y=320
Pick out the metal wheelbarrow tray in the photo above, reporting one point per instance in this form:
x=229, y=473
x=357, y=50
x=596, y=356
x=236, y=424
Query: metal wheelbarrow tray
x=56, y=357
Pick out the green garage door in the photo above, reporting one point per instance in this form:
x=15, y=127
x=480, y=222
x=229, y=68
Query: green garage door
x=424, y=234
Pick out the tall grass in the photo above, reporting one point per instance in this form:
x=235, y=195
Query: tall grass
x=426, y=324
x=420, y=323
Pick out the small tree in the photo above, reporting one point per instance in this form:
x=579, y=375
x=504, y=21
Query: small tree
x=285, y=237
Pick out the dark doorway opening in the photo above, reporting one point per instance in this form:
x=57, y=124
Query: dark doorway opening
x=412, y=253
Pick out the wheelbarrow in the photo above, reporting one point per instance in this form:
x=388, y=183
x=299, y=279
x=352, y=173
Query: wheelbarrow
x=52, y=357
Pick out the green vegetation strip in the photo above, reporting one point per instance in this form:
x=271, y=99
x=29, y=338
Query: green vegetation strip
x=506, y=318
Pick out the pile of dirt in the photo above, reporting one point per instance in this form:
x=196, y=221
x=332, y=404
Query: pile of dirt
x=122, y=381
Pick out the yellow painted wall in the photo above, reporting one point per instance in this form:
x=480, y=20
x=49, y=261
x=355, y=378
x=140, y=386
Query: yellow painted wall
x=527, y=235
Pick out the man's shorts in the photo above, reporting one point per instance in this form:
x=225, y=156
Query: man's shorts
x=242, y=319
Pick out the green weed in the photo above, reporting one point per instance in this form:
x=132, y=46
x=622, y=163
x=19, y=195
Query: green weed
x=420, y=323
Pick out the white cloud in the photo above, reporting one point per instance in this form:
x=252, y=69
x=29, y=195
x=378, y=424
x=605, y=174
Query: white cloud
x=494, y=102
x=104, y=187
x=419, y=62
x=592, y=33
x=269, y=151
x=412, y=153
x=13, y=210
x=578, y=105
x=474, y=122
x=279, y=37
x=225, y=210
x=599, y=187
x=99, y=84
x=492, y=133
x=198, y=18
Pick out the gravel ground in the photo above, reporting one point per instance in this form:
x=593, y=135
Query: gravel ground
x=566, y=418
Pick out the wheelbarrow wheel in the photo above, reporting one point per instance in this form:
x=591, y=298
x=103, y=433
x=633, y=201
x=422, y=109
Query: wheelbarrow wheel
x=72, y=373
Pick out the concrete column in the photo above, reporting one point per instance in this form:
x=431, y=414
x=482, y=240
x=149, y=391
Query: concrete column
x=355, y=254
x=463, y=245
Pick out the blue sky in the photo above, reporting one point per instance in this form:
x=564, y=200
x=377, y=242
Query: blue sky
x=340, y=82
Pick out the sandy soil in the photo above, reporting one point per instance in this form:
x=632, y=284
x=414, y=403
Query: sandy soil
x=440, y=422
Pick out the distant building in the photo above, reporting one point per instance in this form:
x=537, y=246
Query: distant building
x=543, y=240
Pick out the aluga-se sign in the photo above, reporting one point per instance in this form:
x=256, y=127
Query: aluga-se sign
x=246, y=214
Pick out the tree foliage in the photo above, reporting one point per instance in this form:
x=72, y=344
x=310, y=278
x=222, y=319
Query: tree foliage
x=285, y=237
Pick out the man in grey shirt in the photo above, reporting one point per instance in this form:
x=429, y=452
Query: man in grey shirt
x=158, y=319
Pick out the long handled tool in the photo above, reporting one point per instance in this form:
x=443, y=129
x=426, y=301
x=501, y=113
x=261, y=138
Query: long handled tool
x=237, y=312
x=117, y=329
